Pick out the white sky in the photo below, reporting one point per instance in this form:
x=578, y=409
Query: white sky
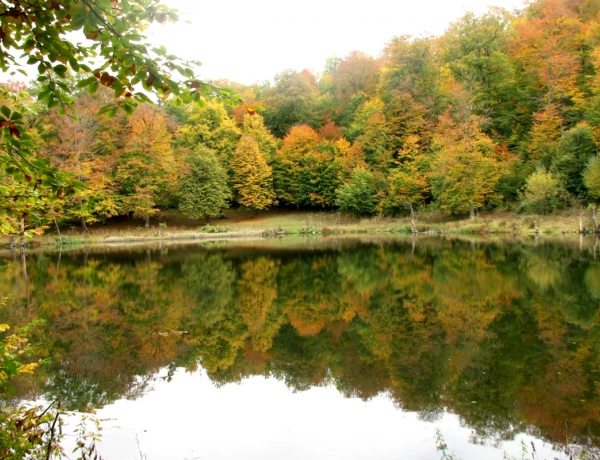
x=251, y=40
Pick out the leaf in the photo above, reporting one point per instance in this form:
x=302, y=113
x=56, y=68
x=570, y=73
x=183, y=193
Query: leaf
x=5, y=112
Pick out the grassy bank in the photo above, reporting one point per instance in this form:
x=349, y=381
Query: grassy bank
x=238, y=224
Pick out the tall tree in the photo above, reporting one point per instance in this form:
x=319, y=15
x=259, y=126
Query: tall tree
x=575, y=149
x=204, y=191
x=476, y=51
x=252, y=176
x=464, y=170
x=254, y=126
x=147, y=168
x=291, y=101
x=210, y=126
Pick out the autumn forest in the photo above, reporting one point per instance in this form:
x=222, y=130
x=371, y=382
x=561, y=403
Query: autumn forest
x=500, y=112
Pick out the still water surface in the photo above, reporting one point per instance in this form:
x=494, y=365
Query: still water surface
x=325, y=349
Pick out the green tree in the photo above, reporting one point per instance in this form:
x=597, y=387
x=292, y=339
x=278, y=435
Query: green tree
x=252, y=176
x=591, y=177
x=543, y=192
x=475, y=49
x=574, y=150
x=203, y=190
x=359, y=194
x=291, y=101
x=209, y=125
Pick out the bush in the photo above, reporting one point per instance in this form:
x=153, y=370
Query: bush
x=543, y=193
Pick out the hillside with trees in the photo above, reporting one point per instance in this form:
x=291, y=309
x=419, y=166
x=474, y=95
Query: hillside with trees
x=501, y=112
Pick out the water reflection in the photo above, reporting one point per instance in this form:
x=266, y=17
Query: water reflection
x=506, y=337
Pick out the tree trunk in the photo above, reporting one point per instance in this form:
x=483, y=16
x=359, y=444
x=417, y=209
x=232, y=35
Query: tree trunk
x=207, y=219
x=471, y=211
x=22, y=232
x=581, y=226
x=83, y=225
x=147, y=221
x=58, y=230
x=413, y=226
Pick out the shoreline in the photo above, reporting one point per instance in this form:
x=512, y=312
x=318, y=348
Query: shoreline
x=302, y=224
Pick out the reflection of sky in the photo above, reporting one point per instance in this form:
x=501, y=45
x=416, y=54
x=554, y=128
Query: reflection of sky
x=189, y=418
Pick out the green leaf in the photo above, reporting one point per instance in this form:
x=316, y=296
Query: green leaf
x=86, y=82
x=92, y=88
x=5, y=112
x=60, y=69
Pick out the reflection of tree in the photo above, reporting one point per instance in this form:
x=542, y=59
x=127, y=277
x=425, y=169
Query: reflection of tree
x=482, y=331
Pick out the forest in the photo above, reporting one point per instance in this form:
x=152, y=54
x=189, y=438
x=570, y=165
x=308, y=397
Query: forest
x=501, y=112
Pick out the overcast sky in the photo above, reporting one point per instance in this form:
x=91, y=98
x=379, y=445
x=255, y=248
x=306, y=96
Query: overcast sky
x=250, y=41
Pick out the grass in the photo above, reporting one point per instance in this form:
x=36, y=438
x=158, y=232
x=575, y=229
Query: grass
x=245, y=224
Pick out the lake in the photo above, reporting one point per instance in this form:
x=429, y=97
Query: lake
x=321, y=348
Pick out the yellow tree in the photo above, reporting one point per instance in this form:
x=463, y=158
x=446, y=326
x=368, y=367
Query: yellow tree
x=252, y=176
x=254, y=126
x=147, y=167
x=464, y=169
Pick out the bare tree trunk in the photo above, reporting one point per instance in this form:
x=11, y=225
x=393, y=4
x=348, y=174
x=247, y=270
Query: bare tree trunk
x=471, y=211
x=537, y=229
x=58, y=230
x=581, y=226
x=22, y=232
x=147, y=221
x=413, y=226
x=207, y=219
x=83, y=225
x=25, y=275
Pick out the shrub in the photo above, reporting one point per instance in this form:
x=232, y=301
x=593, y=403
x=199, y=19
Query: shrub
x=543, y=192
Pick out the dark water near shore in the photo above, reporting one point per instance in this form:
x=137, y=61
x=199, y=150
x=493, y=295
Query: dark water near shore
x=342, y=350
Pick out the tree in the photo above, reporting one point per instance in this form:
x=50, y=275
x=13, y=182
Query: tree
x=252, y=176
x=307, y=168
x=203, y=191
x=591, y=177
x=476, y=52
x=358, y=195
x=290, y=163
x=211, y=127
x=115, y=56
x=356, y=73
x=254, y=126
x=87, y=146
x=464, y=169
x=291, y=101
x=573, y=152
x=542, y=192
x=146, y=170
